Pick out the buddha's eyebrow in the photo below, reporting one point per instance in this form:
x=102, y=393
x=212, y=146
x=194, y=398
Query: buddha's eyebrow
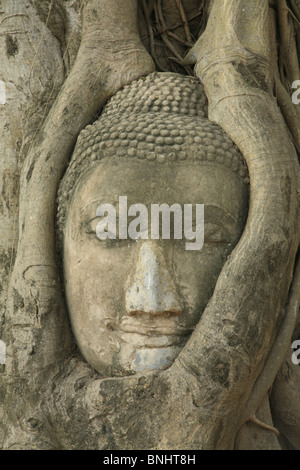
x=213, y=211
x=95, y=203
x=216, y=215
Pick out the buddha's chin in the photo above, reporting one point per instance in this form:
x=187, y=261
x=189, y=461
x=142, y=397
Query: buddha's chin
x=152, y=359
x=145, y=358
x=142, y=360
x=125, y=353
x=131, y=360
x=142, y=353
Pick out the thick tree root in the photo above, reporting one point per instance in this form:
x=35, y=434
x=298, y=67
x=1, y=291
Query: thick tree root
x=278, y=351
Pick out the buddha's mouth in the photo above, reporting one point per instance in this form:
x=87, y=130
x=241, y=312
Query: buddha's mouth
x=161, y=340
x=149, y=332
x=155, y=332
x=153, y=326
x=152, y=335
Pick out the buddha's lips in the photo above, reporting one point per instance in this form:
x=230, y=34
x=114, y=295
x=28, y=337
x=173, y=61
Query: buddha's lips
x=148, y=328
x=154, y=330
x=151, y=340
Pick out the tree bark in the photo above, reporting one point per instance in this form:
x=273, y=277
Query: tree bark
x=50, y=398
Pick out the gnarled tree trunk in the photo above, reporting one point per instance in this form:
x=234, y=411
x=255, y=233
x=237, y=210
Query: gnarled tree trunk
x=62, y=61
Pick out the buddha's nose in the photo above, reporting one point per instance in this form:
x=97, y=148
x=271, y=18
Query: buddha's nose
x=151, y=289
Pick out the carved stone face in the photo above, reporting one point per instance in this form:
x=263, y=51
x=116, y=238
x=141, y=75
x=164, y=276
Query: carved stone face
x=134, y=303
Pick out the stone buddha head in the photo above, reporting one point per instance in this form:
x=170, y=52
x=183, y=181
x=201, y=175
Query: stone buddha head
x=134, y=301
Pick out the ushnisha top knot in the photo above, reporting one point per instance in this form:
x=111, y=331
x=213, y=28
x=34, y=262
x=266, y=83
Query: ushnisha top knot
x=160, y=92
x=163, y=118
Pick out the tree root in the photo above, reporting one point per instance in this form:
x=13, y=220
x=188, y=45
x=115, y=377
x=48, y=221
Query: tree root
x=170, y=45
x=101, y=68
x=288, y=50
x=226, y=55
x=184, y=20
x=151, y=37
x=288, y=67
x=278, y=351
x=263, y=425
